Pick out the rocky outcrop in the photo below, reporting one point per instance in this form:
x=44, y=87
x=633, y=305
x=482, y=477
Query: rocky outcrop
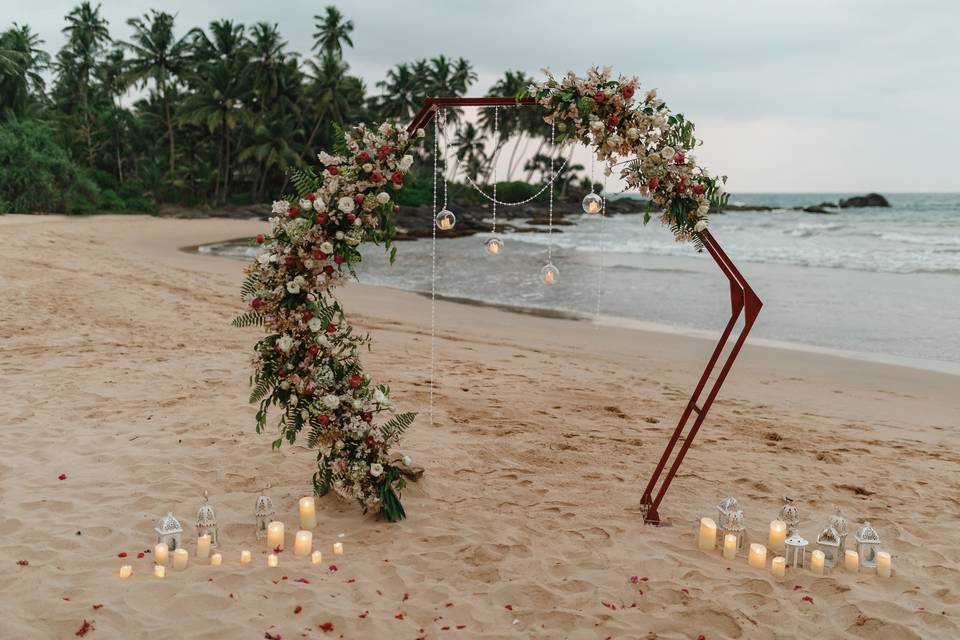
x=819, y=209
x=869, y=200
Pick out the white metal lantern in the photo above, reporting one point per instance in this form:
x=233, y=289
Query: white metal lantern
x=264, y=513
x=829, y=543
x=796, y=550
x=790, y=514
x=592, y=204
x=207, y=521
x=868, y=544
x=730, y=520
x=838, y=522
x=169, y=531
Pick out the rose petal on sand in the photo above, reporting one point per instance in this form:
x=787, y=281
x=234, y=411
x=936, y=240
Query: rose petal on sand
x=808, y=599
x=508, y=607
x=302, y=581
x=406, y=596
x=122, y=554
x=364, y=614
x=326, y=627
x=63, y=476
x=333, y=568
x=85, y=628
x=399, y=616
x=23, y=563
x=141, y=554
x=634, y=579
x=297, y=609
x=97, y=606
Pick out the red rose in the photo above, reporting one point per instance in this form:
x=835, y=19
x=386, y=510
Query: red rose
x=311, y=197
x=652, y=184
x=313, y=349
x=376, y=176
x=338, y=259
x=355, y=380
x=332, y=170
x=396, y=208
x=698, y=188
x=397, y=178
x=359, y=198
x=627, y=90
x=256, y=303
x=613, y=121
x=290, y=260
x=680, y=188
x=281, y=374
x=321, y=219
x=328, y=269
x=307, y=316
x=293, y=212
x=331, y=328
x=679, y=158
x=383, y=151
x=324, y=420
x=599, y=96
x=260, y=238
x=367, y=416
x=318, y=255
x=351, y=217
x=362, y=157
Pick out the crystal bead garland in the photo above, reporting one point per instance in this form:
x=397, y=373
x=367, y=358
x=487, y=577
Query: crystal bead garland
x=445, y=219
x=549, y=275
x=433, y=266
x=494, y=245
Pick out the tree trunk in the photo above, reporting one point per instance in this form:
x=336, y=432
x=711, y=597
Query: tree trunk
x=167, y=116
x=539, y=148
x=226, y=164
x=513, y=155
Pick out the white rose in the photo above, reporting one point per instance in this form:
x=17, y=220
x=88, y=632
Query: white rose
x=281, y=207
x=376, y=469
x=331, y=401
x=405, y=163
x=306, y=205
x=383, y=197
x=421, y=132
x=315, y=325
x=668, y=152
x=265, y=258
x=345, y=204
x=332, y=184
x=357, y=405
x=326, y=247
x=319, y=204
x=357, y=222
x=326, y=158
x=293, y=286
x=379, y=397
x=633, y=133
x=338, y=235
x=300, y=281
x=285, y=343
x=702, y=224
x=407, y=460
x=367, y=167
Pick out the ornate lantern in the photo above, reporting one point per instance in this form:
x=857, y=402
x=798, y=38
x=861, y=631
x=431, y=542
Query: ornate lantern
x=730, y=520
x=790, y=514
x=838, y=522
x=264, y=513
x=169, y=531
x=207, y=521
x=796, y=550
x=868, y=544
x=829, y=542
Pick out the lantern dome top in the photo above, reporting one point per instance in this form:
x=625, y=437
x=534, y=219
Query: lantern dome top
x=206, y=515
x=867, y=533
x=264, y=505
x=829, y=536
x=729, y=505
x=169, y=524
x=838, y=522
x=796, y=540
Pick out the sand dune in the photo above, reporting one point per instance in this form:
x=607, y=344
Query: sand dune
x=121, y=371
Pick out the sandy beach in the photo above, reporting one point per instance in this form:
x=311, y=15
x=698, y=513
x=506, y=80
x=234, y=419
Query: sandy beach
x=122, y=373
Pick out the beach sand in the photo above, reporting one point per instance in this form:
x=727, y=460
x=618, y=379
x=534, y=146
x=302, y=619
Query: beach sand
x=120, y=370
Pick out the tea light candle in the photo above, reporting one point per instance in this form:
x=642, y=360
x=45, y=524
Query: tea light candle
x=730, y=546
x=126, y=571
x=316, y=557
x=708, y=534
x=778, y=533
x=779, y=567
x=303, y=543
x=275, y=535
x=244, y=557
x=203, y=546
x=884, y=564
x=216, y=560
x=180, y=559
x=851, y=561
x=159, y=571
x=308, y=513
x=273, y=560
x=816, y=562
x=338, y=548
x=161, y=553
x=758, y=555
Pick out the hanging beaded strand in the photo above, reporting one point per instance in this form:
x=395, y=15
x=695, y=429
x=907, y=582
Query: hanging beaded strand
x=433, y=266
x=550, y=274
x=494, y=245
x=603, y=215
x=445, y=219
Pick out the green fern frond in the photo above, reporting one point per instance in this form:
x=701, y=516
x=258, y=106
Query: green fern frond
x=250, y=286
x=248, y=319
x=398, y=424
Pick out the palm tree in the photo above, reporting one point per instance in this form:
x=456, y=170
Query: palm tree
x=402, y=93
x=470, y=150
x=267, y=51
x=112, y=81
x=329, y=93
x=21, y=61
x=159, y=56
x=512, y=120
x=273, y=146
x=332, y=31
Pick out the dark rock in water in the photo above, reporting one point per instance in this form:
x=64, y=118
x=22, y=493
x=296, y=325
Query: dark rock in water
x=828, y=205
x=869, y=200
x=747, y=207
x=819, y=209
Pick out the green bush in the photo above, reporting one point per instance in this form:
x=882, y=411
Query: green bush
x=37, y=176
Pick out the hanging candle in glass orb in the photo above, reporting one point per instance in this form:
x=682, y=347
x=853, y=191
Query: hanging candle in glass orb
x=549, y=274
x=493, y=246
x=446, y=220
x=592, y=204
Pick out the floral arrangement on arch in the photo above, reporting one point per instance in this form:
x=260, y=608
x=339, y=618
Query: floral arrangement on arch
x=600, y=112
x=308, y=363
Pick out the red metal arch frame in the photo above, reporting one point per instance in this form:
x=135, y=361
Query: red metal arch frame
x=743, y=300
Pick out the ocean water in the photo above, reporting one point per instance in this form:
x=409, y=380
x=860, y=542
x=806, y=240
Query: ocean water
x=874, y=283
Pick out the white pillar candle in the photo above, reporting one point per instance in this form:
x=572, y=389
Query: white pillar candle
x=758, y=555
x=816, y=562
x=216, y=560
x=851, y=561
x=884, y=564
x=203, y=546
x=308, y=513
x=126, y=571
x=275, y=535
x=708, y=534
x=159, y=570
x=779, y=566
x=778, y=533
x=303, y=543
x=161, y=553
x=180, y=559
x=316, y=557
x=272, y=560
x=244, y=557
x=730, y=546
x=338, y=548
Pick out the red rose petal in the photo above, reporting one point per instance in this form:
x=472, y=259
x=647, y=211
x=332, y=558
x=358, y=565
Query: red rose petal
x=508, y=607
x=326, y=627
x=302, y=580
x=277, y=549
x=634, y=579
x=333, y=568
x=350, y=581
x=122, y=554
x=797, y=586
x=406, y=596
x=63, y=476
x=701, y=637
x=97, y=606
x=808, y=599
x=141, y=554
x=444, y=628
x=685, y=590
x=364, y=614
x=270, y=636
x=23, y=563
x=85, y=628
x=297, y=609
x=399, y=616
x=461, y=626
x=284, y=578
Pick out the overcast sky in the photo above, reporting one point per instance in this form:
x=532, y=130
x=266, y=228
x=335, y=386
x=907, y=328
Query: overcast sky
x=823, y=96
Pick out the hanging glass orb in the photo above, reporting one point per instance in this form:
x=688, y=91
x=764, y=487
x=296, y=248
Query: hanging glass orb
x=592, y=204
x=493, y=246
x=549, y=274
x=446, y=220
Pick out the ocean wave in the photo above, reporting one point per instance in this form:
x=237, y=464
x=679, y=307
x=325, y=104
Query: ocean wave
x=809, y=230
x=909, y=238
